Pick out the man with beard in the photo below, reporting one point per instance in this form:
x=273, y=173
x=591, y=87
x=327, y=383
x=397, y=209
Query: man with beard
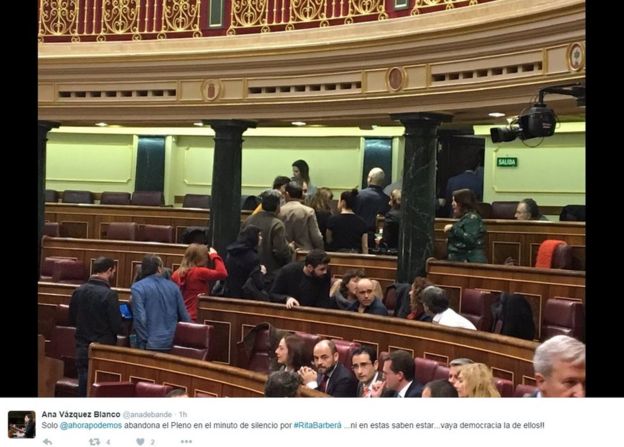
x=94, y=310
x=304, y=283
x=331, y=376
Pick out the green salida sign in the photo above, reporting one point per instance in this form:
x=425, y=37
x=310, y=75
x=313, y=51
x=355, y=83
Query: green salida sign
x=507, y=162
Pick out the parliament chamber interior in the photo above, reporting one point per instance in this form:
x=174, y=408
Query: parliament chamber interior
x=165, y=127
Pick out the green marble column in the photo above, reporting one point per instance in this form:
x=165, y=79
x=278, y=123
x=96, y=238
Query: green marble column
x=226, y=181
x=42, y=138
x=416, y=237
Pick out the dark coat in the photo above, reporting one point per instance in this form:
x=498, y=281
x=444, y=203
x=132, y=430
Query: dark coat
x=342, y=382
x=370, y=202
x=374, y=308
x=274, y=251
x=309, y=291
x=242, y=262
x=415, y=390
x=392, y=221
x=94, y=310
x=467, y=179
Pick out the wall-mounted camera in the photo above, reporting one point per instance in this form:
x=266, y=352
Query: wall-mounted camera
x=539, y=120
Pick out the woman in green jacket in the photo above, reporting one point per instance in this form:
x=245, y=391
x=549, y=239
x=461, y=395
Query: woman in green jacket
x=466, y=237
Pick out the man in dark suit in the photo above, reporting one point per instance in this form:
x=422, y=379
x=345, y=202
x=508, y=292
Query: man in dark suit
x=331, y=376
x=372, y=201
x=364, y=364
x=399, y=372
x=471, y=179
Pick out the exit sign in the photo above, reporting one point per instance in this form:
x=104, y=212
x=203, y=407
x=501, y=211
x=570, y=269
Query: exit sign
x=507, y=162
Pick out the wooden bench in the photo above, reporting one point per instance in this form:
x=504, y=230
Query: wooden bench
x=537, y=285
x=90, y=221
x=520, y=239
x=127, y=254
x=49, y=370
x=198, y=378
x=233, y=318
x=505, y=238
x=511, y=358
x=381, y=268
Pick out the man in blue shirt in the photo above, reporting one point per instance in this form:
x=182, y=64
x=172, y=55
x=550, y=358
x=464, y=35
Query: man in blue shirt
x=157, y=306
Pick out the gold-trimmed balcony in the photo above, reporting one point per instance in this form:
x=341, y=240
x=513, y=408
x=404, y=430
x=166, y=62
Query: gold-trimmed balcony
x=497, y=54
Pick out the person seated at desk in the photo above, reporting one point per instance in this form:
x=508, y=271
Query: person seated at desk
x=439, y=388
x=292, y=353
x=417, y=310
x=282, y=384
x=436, y=303
x=331, y=376
x=528, y=210
x=399, y=374
x=343, y=291
x=29, y=427
x=364, y=365
x=476, y=380
x=367, y=303
x=559, y=365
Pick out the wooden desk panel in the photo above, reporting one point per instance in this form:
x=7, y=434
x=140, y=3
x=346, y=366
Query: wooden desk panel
x=127, y=254
x=381, y=268
x=232, y=318
x=198, y=378
x=50, y=370
x=89, y=221
x=520, y=239
x=505, y=238
x=55, y=293
x=537, y=285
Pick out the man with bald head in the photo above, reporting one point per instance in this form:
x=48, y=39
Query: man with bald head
x=372, y=201
x=367, y=303
x=331, y=376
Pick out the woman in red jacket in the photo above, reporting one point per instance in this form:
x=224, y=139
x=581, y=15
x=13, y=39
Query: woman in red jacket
x=194, y=277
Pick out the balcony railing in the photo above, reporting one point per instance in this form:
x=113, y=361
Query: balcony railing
x=101, y=20
x=119, y=19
